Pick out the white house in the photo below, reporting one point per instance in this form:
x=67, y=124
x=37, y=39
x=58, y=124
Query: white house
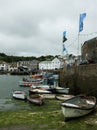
x=13, y=67
x=50, y=65
x=8, y=67
x=3, y=66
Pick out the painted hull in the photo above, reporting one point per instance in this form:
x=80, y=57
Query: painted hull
x=35, y=99
x=29, y=83
x=49, y=96
x=62, y=90
x=46, y=94
x=39, y=91
x=36, y=76
x=40, y=86
x=25, y=84
x=19, y=95
x=78, y=106
x=73, y=112
x=63, y=97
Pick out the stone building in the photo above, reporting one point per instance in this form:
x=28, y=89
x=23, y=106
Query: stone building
x=89, y=50
x=32, y=65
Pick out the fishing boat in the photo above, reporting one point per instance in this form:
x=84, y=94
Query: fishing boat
x=61, y=90
x=29, y=83
x=78, y=106
x=35, y=99
x=25, y=83
x=38, y=91
x=36, y=76
x=46, y=93
x=19, y=94
x=63, y=97
x=49, y=96
x=53, y=89
x=40, y=86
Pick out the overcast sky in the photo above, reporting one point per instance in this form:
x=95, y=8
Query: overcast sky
x=35, y=27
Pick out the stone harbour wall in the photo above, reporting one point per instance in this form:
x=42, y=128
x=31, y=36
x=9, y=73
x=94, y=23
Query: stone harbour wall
x=80, y=79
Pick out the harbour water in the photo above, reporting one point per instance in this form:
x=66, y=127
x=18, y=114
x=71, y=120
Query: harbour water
x=9, y=83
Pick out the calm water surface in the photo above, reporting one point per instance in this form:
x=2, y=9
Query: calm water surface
x=8, y=83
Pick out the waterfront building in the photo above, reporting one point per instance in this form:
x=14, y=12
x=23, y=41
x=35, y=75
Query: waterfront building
x=51, y=64
x=3, y=66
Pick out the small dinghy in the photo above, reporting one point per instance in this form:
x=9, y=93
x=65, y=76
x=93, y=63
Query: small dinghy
x=63, y=97
x=19, y=94
x=78, y=106
x=62, y=90
x=35, y=99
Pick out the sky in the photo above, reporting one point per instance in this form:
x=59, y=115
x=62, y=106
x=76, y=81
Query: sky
x=35, y=27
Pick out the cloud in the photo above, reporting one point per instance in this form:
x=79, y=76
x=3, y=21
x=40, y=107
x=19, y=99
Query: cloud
x=35, y=27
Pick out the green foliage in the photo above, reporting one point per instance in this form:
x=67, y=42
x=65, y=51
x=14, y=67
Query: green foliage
x=9, y=59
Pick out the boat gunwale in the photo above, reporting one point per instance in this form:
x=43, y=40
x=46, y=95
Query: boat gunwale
x=78, y=106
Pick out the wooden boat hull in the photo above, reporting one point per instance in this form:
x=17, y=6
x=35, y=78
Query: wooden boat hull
x=37, y=76
x=46, y=94
x=63, y=97
x=35, y=99
x=25, y=84
x=62, y=90
x=29, y=83
x=73, y=113
x=78, y=106
x=39, y=91
x=49, y=96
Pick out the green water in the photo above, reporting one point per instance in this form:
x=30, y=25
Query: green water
x=9, y=83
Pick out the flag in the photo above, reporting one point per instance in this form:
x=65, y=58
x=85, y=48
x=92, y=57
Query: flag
x=64, y=36
x=82, y=16
x=64, y=49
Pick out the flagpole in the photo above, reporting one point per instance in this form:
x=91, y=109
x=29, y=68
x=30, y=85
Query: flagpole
x=62, y=50
x=78, y=44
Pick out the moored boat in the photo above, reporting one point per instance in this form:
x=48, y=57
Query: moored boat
x=40, y=86
x=19, y=94
x=63, y=97
x=35, y=99
x=30, y=82
x=62, y=90
x=36, y=76
x=25, y=83
x=46, y=93
x=49, y=96
x=78, y=106
x=38, y=91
